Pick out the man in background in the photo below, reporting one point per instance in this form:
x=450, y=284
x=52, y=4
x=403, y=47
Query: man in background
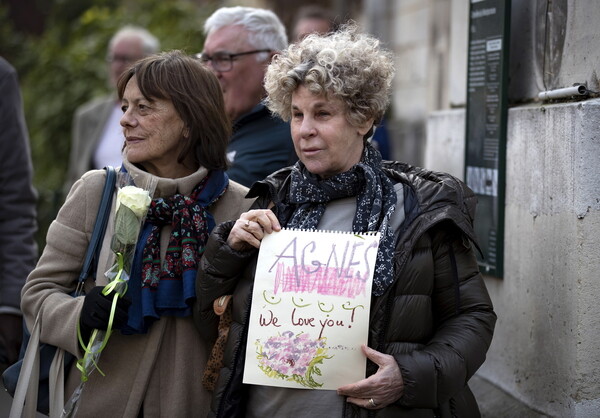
x=313, y=19
x=18, y=250
x=240, y=42
x=97, y=138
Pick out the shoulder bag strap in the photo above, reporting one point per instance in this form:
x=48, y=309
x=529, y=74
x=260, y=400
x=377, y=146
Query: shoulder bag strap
x=93, y=250
x=56, y=384
x=27, y=385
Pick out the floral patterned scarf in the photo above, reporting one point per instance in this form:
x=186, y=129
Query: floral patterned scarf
x=375, y=200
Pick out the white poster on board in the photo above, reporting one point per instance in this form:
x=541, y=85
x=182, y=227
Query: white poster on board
x=310, y=309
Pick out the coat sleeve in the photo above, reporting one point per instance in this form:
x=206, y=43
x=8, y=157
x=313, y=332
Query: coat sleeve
x=47, y=290
x=464, y=323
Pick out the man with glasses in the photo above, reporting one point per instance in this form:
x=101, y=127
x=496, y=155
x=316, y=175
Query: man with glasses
x=240, y=42
x=97, y=137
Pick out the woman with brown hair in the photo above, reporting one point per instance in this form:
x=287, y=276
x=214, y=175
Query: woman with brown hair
x=175, y=135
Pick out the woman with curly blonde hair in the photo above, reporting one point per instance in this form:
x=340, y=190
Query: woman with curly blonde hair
x=431, y=319
x=347, y=65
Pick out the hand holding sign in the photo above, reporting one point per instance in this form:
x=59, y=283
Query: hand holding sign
x=249, y=230
x=379, y=390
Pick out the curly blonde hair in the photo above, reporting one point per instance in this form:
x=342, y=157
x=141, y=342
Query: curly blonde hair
x=347, y=64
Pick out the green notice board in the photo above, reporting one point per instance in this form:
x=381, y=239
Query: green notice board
x=485, y=158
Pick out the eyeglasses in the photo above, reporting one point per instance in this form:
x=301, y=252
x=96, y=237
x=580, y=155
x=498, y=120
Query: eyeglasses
x=222, y=61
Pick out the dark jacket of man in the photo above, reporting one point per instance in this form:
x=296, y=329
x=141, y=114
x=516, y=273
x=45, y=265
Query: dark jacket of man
x=260, y=145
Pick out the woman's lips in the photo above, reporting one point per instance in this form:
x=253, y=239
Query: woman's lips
x=310, y=151
x=133, y=139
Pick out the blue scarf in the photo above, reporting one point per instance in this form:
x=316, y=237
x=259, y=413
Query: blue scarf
x=169, y=290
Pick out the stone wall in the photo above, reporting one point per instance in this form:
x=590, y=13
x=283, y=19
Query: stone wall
x=545, y=348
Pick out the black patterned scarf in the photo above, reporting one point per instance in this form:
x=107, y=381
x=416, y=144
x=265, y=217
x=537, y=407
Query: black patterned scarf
x=189, y=224
x=375, y=203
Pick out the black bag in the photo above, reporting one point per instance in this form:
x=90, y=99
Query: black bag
x=47, y=352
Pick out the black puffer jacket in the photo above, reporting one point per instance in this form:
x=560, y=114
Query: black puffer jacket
x=436, y=319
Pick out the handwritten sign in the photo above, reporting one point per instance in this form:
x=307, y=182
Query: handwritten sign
x=310, y=309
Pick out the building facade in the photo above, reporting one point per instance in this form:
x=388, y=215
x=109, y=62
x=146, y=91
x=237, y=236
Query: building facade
x=546, y=349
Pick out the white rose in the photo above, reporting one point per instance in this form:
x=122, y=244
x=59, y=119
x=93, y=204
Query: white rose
x=135, y=198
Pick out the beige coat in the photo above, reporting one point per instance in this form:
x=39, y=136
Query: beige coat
x=161, y=369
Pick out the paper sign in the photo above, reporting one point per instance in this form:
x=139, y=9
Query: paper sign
x=310, y=309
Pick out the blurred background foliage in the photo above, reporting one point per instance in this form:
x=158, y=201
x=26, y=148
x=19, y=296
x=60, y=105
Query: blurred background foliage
x=64, y=66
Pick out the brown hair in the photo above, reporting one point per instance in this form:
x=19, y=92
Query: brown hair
x=198, y=100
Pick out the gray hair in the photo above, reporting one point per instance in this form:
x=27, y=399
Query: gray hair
x=150, y=44
x=348, y=65
x=264, y=27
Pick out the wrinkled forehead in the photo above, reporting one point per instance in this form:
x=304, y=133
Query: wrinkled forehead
x=305, y=94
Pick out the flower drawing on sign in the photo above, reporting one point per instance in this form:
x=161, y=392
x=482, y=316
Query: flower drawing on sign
x=292, y=357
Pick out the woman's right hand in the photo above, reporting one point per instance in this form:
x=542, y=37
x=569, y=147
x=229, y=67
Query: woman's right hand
x=249, y=230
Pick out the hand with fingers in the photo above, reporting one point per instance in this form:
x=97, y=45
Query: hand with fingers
x=249, y=230
x=379, y=390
